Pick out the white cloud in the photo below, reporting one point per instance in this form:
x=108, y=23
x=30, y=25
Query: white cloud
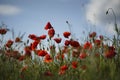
x=9, y=10
x=96, y=13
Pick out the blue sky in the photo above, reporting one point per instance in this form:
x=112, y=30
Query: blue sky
x=31, y=16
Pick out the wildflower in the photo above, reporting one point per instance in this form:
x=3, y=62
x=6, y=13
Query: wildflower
x=28, y=54
x=21, y=58
x=75, y=53
x=3, y=31
x=74, y=64
x=33, y=37
x=9, y=43
x=48, y=73
x=60, y=56
x=97, y=42
x=97, y=54
x=92, y=35
x=34, y=44
x=65, y=49
x=61, y=72
x=82, y=55
x=17, y=39
x=66, y=34
x=47, y=58
x=27, y=50
x=64, y=67
x=111, y=48
x=87, y=45
x=15, y=54
x=48, y=26
x=57, y=40
x=52, y=47
x=42, y=37
x=51, y=32
x=24, y=68
x=67, y=42
x=110, y=53
x=101, y=37
x=41, y=53
x=74, y=43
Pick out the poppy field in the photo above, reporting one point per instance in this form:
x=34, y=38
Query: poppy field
x=53, y=56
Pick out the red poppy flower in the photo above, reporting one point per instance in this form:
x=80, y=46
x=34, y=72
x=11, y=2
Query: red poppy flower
x=28, y=53
x=59, y=56
x=67, y=42
x=43, y=37
x=87, y=45
x=21, y=58
x=47, y=58
x=51, y=32
x=92, y=35
x=48, y=73
x=109, y=54
x=74, y=64
x=57, y=40
x=66, y=34
x=9, y=43
x=74, y=43
x=48, y=26
x=64, y=67
x=15, y=54
x=101, y=37
x=41, y=53
x=32, y=36
x=17, y=39
x=24, y=68
x=111, y=48
x=52, y=47
x=27, y=50
x=3, y=31
x=65, y=49
x=61, y=72
x=34, y=44
x=75, y=53
x=82, y=55
x=97, y=54
x=97, y=42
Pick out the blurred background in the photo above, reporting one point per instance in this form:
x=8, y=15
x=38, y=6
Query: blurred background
x=84, y=16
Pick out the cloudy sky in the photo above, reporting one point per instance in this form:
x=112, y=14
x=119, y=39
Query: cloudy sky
x=31, y=16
